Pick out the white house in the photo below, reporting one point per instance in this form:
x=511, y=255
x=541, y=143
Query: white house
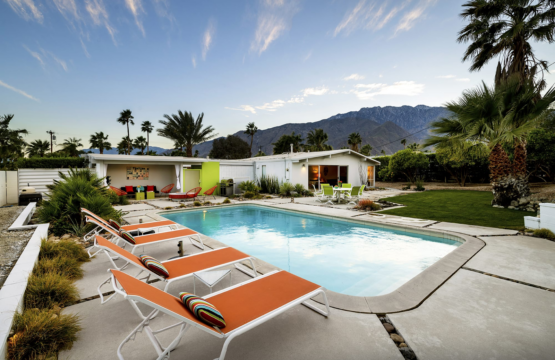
x=313, y=168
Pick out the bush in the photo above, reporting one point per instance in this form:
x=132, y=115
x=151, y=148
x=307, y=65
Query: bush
x=408, y=162
x=249, y=186
x=51, y=250
x=227, y=201
x=65, y=265
x=407, y=187
x=52, y=163
x=197, y=203
x=80, y=188
x=420, y=185
x=286, y=188
x=207, y=203
x=42, y=333
x=368, y=205
x=299, y=189
x=545, y=234
x=48, y=290
x=268, y=185
x=249, y=195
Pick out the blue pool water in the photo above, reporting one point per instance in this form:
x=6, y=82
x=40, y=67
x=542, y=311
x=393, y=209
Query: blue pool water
x=342, y=256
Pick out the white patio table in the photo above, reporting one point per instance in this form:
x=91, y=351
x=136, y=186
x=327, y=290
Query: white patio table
x=337, y=192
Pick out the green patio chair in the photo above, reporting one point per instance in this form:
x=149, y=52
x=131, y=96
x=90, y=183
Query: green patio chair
x=345, y=185
x=327, y=195
x=354, y=195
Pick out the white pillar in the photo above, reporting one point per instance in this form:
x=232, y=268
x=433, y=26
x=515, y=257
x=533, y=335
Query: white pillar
x=178, y=175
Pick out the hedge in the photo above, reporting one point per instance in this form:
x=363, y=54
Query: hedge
x=52, y=163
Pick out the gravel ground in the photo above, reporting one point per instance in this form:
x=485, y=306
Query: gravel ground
x=12, y=243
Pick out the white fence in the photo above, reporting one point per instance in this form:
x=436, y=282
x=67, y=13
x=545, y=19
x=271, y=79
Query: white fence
x=38, y=178
x=8, y=187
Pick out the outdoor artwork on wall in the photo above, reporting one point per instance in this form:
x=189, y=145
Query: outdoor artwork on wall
x=137, y=173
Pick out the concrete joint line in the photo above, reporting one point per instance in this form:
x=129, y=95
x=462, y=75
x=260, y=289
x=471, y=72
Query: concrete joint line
x=508, y=279
x=397, y=338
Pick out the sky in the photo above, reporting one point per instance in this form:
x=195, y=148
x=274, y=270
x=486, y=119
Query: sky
x=71, y=66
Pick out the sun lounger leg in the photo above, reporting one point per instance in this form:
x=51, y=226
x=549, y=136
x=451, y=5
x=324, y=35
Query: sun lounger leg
x=102, y=300
x=199, y=240
x=319, y=311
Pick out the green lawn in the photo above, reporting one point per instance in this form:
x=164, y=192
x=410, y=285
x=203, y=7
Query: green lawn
x=463, y=207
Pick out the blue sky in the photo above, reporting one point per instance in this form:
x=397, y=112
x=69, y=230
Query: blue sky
x=72, y=65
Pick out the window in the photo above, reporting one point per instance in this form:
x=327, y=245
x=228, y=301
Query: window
x=263, y=170
x=313, y=176
x=370, y=174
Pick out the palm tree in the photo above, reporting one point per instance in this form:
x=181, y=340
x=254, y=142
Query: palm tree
x=99, y=141
x=147, y=127
x=404, y=142
x=251, y=130
x=71, y=147
x=317, y=139
x=38, y=148
x=354, y=140
x=503, y=29
x=414, y=146
x=140, y=143
x=383, y=152
x=498, y=116
x=366, y=150
x=11, y=142
x=125, y=118
x=124, y=146
x=184, y=130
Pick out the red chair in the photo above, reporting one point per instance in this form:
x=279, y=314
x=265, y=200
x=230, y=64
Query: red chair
x=210, y=192
x=167, y=189
x=118, y=191
x=191, y=194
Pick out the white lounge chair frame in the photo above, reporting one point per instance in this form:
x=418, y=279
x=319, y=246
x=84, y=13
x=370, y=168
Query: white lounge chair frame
x=186, y=324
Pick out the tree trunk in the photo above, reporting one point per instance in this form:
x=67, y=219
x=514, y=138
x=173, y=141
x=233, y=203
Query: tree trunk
x=250, y=150
x=101, y=150
x=507, y=184
x=189, y=150
x=147, y=143
x=128, y=140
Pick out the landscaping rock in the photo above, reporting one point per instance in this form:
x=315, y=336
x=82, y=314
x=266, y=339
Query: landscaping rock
x=401, y=345
x=390, y=328
x=511, y=207
x=66, y=236
x=397, y=338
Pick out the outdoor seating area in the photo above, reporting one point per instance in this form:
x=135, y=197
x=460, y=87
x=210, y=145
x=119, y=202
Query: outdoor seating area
x=339, y=194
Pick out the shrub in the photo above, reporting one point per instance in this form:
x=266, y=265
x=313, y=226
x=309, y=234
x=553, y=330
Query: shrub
x=249, y=195
x=299, y=188
x=65, y=265
x=269, y=185
x=406, y=187
x=42, y=333
x=545, y=233
x=408, y=162
x=286, y=188
x=197, y=203
x=48, y=290
x=366, y=205
x=420, y=185
x=249, y=186
x=52, y=163
x=207, y=203
x=182, y=205
x=51, y=250
x=227, y=201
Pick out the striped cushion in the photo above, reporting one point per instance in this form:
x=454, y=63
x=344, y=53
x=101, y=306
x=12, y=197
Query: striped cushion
x=154, y=265
x=203, y=310
x=127, y=236
x=115, y=224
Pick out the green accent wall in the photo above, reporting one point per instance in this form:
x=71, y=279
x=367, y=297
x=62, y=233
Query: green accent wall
x=209, y=176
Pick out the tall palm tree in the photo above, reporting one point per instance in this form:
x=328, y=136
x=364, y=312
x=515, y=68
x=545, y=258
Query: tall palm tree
x=38, y=148
x=11, y=142
x=317, y=139
x=503, y=28
x=251, y=130
x=140, y=143
x=414, y=146
x=383, y=152
x=404, y=142
x=124, y=146
x=100, y=142
x=498, y=116
x=354, y=140
x=147, y=128
x=125, y=118
x=71, y=147
x=366, y=150
x=184, y=129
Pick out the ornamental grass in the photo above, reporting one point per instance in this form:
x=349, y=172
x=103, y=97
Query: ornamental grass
x=68, y=248
x=44, y=291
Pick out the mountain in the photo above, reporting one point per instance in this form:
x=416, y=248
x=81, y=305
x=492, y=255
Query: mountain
x=381, y=127
x=158, y=150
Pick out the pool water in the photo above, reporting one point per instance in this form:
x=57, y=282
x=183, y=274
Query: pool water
x=339, y=255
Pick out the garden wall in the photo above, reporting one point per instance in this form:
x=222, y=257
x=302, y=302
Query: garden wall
x=38, y=178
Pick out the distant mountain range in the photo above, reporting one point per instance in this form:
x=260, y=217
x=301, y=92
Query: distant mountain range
x=381, y=127
x=158, y=150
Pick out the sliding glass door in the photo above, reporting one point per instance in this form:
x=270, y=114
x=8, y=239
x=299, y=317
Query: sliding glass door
x=327, y=174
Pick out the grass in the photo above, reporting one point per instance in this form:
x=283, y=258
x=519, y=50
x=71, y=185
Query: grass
x=45, y=291
x=51, y=250
x=462, y=207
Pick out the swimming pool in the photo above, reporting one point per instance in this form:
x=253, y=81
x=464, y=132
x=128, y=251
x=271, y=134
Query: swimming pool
x=342, y=256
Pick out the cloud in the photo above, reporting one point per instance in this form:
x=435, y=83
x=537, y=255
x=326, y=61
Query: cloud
x=85, y=49
x=307, y=56
x=275, y=17
x=136, y=8
x=405, y=88
x=409, y=19
x=244, y=108
x=353, y=77
x=194, y=61
x=36, y=55
x=272, y=106
x=67, y=8
x=18, y=91
x=463, y=79
x=62, y=63
x=296, y=100
x=446, y=76
x=26, y=9
x=99, y=16
x=162, y=8
x=315, y=91
x=368, y=15
x=207, y=37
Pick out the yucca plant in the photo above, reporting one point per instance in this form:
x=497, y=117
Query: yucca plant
x=45, y=291
x=286, y=188
x=299, y=188
x=249, y=186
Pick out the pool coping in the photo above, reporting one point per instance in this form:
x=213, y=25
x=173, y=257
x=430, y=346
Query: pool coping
x=406, y=297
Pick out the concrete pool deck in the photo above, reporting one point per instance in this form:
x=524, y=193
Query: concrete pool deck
x=475, y=309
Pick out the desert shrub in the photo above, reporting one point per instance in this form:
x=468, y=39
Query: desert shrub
x=65, y=265
x=41, y=333
x=299, y=188
x=420, y=185
x=308, y=193
x=545, y=233
x=170, y=207
x=249, y=186
x=286, y=188
x=232, y=196
x=368, y=205
x=51, y=250
x=249, y=195
x=197, y=203
x=226, y=201
x=182, y=205
x=79, y=188
x=48, y=290
x=268, y=184
x=79, y=229
x=269, y=197
x=407, y=187
x=207, y=203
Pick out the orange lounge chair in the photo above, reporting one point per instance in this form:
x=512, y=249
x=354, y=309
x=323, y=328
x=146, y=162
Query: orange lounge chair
x=243, y=306
x=150, y=239
x=178, y=269
x=210, y=192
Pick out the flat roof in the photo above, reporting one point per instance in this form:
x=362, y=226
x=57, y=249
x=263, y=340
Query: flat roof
x=146, y=158
x=308, y=155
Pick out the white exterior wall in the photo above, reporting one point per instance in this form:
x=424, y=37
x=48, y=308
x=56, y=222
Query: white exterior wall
x=38, y=178
x=159, y=176
x=273, y=168
x=237, y=171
